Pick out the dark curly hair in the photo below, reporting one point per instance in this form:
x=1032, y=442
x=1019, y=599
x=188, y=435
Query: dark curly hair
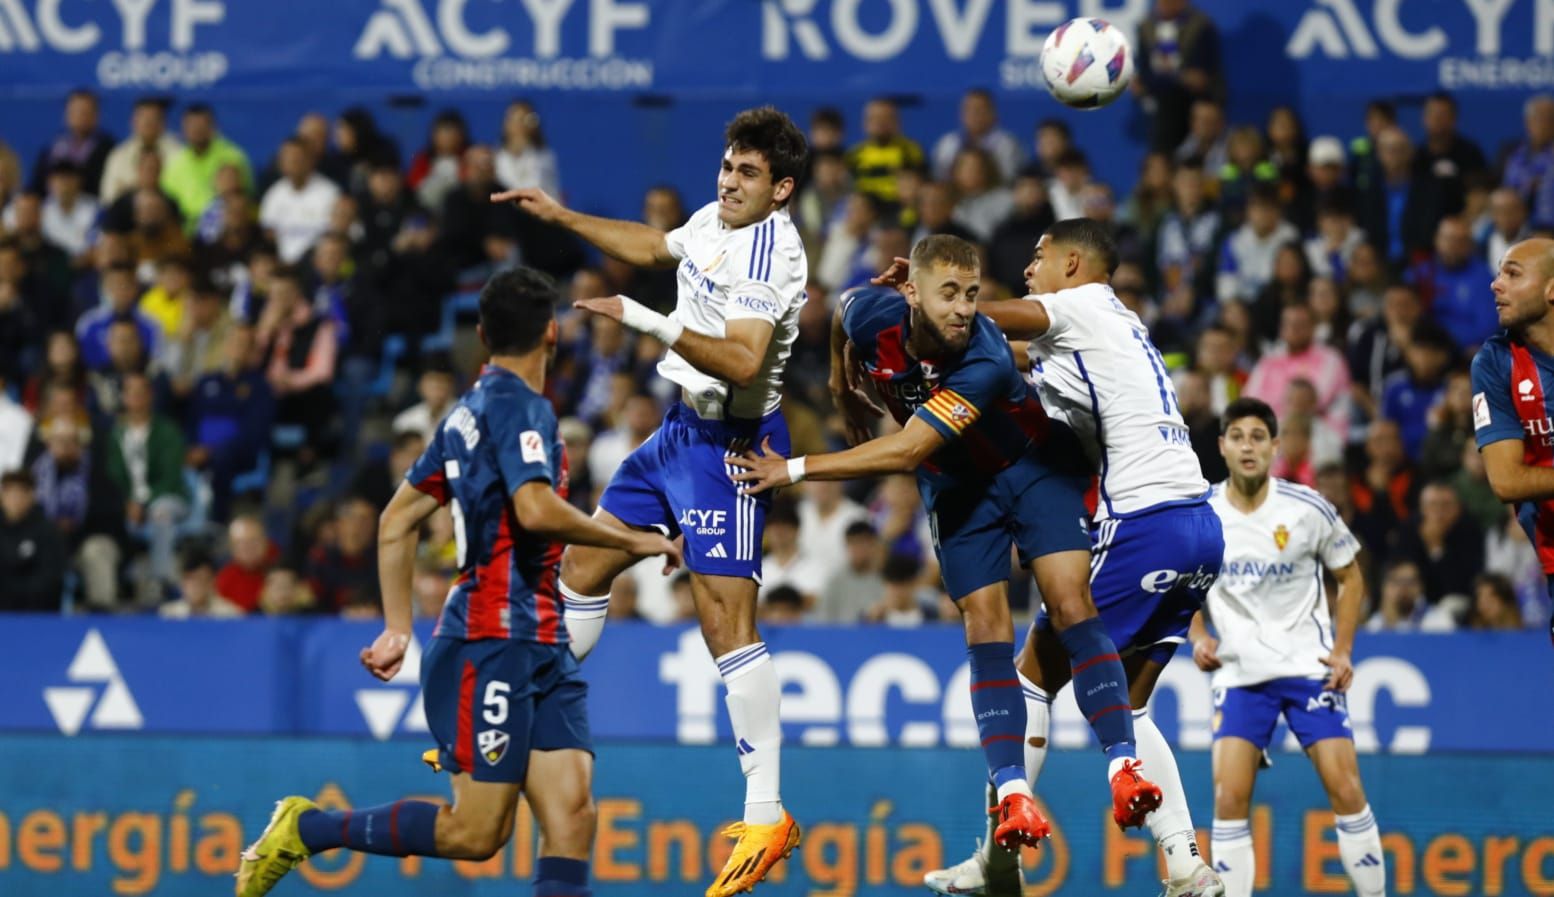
x=770, y=132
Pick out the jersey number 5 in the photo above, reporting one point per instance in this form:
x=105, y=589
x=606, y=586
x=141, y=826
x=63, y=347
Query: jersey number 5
x=496, y=702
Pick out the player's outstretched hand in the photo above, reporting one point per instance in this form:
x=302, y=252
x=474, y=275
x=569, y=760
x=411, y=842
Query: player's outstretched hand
x=652, y=544
x=858, y=408
x=534, y=201
x=609, y=306
x=1203, y=654
x=768, y=470
x=1340, y=671
x=895, y=275
x=387, y=654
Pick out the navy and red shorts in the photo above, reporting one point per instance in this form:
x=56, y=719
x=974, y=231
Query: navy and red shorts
x=492, y=701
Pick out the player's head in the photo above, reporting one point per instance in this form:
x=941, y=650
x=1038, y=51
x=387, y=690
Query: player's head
x=518, y=312
x=764, y=156
x=1248, y=439
x=1524, y=288
x=942, y=286
x=1073, y=251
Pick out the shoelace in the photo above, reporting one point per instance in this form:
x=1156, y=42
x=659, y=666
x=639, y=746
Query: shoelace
x=736, y=830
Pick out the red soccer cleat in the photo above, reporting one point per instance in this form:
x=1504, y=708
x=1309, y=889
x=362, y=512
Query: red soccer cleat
x=1019, y=823
x=1133, y=796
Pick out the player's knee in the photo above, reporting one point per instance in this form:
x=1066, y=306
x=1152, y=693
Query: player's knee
x=468, y=839
x=1347, y=795
x=582, y=571
x=1232, y=800
x=572, y=834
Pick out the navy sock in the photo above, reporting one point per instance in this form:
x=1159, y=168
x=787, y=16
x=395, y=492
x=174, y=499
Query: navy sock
x=402, y=828
x=999, y=704
x=1100, y=685
x=561, y=877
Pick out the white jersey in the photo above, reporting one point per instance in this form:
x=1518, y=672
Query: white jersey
x=1096, y=370
x=1267, y=604
x=758, y=271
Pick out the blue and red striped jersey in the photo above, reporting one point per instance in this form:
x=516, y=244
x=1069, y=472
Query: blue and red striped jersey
x=500, y=435
x=1513, y=384
x=987, y=412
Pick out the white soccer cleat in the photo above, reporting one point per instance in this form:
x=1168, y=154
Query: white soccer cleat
x=972, y=875
x=1203, y=882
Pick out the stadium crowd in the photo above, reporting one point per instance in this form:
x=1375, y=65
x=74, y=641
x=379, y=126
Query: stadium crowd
x=215, y=365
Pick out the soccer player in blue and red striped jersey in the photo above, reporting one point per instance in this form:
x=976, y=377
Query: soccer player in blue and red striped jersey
x=501, y=688
x=994, y=473
x=1513, y=384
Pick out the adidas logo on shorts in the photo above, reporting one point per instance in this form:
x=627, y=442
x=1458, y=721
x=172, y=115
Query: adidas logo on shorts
x=717, y=551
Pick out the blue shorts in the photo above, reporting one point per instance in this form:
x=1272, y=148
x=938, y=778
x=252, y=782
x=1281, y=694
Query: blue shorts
x=1149, y=573
x=1026, y=505
x=677, y=482
x=1252, y=711
x=490, y=702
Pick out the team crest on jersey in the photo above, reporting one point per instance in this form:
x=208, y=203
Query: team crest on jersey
x=1281, y=536
x=493, y=745
x=929, y=369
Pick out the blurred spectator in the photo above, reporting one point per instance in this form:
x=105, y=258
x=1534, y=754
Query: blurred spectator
x=285, y=592
x=1247, y=256
x=825, y=515
x=525, y=160
x=121, y=293
x=1246, y=167
x=897, y=515
x=360, y=144
x=438, y=390
x=900, y=604
x=1215, y=358
x=62, y=366
x=337, y=292
x=1471, y=484
x=250, y=557
x=32, y=554
x=849, y=239
x=1331, y=248
x=1376, y=346
x=1398, y=210
x=229, y=413
x=1508, y=552
x=623, y=600
x=1507, y=225
x=1070, y=175
x=1447, y=546
x=1287, y=286
x=633, y=426
x=1192, y=394
x=82, y=143
x=981, y=199
x=10, y=173
x=1286, y=142
x=1178, y=61
x=81, y=501
x=821, y=199
x=429, y=588
x=1402, y=606
x=16, y=428
x=385, y=209
x=145, y=456
x=1364, y=152
x=148, y=136
x=347, y=571
x=1208, y=139
x=608, y=356
x=1300, y=356
x=1384, y=490
x=301, y=367
x=1445, y=155
x=313, y=131
x=827, y=130
x=1014, y=241
x=1528, y=167
x=1052, y=139
x=197, y=596
x=1150, y=200
x=855, y=586
x=436, y=169
x=978, y=128
x=475, y=230
x=377, y=481
x=1410, y=396
x=69, y=216
x=200, y=345
x=168, y=299
x=1329, y=310
x=936, y=215
x=215, y=218
x=189, y=177
x=1494, y=604
x=782, y=606
x=1323, y=182
x=126, y=355
x=783, y=562
x=1450, y=431
x=295, y=210
x=1184, y=252
x=155, y=235
x=118, y=216
x=1454, y=285
x=19, y=330
x=1327, y=446
x=1295, y=461
x=48, y=268
x=883, y=153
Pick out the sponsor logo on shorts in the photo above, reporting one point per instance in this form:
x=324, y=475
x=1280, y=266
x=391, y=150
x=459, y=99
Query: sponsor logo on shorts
x=704, y=523
x=493, y=745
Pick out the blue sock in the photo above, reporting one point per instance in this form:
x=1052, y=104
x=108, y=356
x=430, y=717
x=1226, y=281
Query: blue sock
x=999, y=704
x=1100, y=685
x=561, y=877
x=402, y=828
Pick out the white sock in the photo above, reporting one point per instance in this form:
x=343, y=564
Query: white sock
x=1172, y=823
x=1234, y=859
x=1038, y=723
x=1359, y=844
x=584, y=616
x=754, y=696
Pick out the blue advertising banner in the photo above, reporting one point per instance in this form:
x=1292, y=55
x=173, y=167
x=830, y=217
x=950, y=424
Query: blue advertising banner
x=168, y=816
x=1310, y=48
x=866, y=687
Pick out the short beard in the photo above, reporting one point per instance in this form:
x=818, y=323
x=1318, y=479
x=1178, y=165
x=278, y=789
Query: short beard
x=940, y=344
x=1249, y=485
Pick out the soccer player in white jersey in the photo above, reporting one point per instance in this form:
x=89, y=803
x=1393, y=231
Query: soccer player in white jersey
x=1156, y=544
x=741, y=276
x=1278, y=652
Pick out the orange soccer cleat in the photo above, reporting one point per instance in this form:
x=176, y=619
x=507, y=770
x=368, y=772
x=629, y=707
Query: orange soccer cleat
x=1019, y=823
x=1133, y=796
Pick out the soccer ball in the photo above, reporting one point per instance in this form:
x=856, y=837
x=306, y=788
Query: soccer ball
x=1087, y=63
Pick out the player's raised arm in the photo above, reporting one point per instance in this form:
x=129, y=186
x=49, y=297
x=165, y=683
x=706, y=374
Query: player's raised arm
x=399, y=531
x=544, y=513
x=1019, y=319
x=630, y=241
x=900, y=452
